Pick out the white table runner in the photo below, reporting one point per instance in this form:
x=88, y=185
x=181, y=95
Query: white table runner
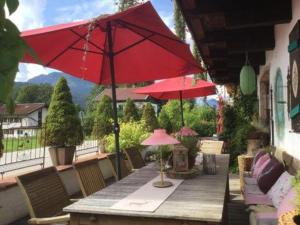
x=147, y=198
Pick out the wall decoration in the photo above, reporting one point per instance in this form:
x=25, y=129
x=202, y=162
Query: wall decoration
x=293, y=90
x=279, y=105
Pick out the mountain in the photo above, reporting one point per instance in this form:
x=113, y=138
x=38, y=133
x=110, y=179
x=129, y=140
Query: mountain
x=80, y=89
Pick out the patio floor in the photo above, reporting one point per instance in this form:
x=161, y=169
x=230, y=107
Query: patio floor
x=236, y=209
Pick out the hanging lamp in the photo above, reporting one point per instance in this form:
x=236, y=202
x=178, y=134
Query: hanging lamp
x=247, y=78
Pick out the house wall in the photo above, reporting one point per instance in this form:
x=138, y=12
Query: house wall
x=279, y=58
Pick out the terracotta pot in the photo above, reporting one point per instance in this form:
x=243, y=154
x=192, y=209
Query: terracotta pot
x=62, y=155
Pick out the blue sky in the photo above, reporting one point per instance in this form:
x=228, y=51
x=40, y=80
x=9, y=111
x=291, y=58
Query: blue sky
x=39, y=13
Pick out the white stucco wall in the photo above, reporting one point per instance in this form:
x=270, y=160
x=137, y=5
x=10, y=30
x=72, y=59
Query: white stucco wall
x=279, y=58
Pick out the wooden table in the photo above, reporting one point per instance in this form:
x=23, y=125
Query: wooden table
x=195, y=202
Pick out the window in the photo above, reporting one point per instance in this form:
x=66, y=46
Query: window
x=279, y=105
x=20, y=132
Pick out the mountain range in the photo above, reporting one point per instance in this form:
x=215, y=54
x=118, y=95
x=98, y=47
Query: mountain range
x=79, y=88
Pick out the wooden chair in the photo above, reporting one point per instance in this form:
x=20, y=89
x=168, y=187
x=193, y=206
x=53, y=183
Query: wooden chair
x=211, y=147
x=89, y=176
x=45, y=196
x=135, y=158
x=124, y=169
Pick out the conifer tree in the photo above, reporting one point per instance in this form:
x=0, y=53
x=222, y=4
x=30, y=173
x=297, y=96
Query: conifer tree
x=179, y=23
x=63, y=126
x=1, y=138
x=125, y=4
x=196, y=53
x=149, y=117
x=164, y=121
x=130, y=111
x=103, y=118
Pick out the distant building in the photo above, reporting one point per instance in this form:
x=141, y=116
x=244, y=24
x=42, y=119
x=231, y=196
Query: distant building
x=25, y=120
x=124, y=93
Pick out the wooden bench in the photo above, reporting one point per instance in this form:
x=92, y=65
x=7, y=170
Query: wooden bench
x=211, y=147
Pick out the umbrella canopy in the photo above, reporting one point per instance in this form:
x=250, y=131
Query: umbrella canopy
x=143, y=48
x=178, y=88
x=186, y=132
x=127, y=47
x=171, y=88
x=160, y=137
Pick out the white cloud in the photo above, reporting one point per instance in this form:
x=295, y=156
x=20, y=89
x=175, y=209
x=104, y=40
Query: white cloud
x=29, y=15
x=84, y=10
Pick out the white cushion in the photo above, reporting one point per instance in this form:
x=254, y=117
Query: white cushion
x=280, y=188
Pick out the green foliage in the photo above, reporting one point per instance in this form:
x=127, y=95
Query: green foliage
x=296, y=186
x=103, y=118
x=90, y=111
x=165, y=151
x=130, y=111
x=35, y=93
x=12, y=48
x=202, y=119
x=63, y=127
x=172, y=109
x=1, y=141
x=131, y=136
x=149, y=117
x=10, y=106
x=237, y=124
x=179, y=22
x=125, y=4
x=197, y=56
x=190, y=142
x=164, y=121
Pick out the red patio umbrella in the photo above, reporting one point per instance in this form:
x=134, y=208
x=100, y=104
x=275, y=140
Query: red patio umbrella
x=126, y=47
x=178, y=88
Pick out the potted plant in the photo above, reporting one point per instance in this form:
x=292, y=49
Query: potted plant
x=258, y=136
x=63, y=129
x=190, y=142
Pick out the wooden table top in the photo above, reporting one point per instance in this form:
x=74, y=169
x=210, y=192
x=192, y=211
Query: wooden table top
x=198, y=199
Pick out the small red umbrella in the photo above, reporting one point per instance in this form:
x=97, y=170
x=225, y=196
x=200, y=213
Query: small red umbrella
x=127, y=47
x=178, y=88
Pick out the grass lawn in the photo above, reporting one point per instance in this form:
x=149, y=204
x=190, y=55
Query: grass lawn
x=21, y=143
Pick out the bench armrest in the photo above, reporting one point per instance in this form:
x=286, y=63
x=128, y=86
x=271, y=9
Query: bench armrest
x=50, y=220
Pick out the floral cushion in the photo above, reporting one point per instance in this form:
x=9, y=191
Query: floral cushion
x=288, y=203
x=281, y=187
x=256, y=158
x=260, y=165
x=253, y=199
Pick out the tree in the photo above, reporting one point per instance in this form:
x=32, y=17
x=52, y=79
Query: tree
x=90, y=110
x=1, y=138
x=63, y=127
x=103, y=118
x=164, y=121
x=33, y=93
x=179, y=23
x=125, y=4
x=149, y=117
x=12, y=48
x=197, y=55
x=130, y=111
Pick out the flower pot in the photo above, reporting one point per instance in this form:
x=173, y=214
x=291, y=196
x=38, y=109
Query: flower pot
x=62, y=155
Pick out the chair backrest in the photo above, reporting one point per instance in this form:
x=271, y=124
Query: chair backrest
x=135, y=158
x=89, y=176
x=44, y=192
x=124, y=169
x=211, y=147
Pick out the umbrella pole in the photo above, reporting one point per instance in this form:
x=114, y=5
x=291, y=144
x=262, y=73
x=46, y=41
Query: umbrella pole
x=181, y=107
x=114, y=99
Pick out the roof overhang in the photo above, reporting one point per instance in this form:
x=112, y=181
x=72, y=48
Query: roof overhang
x=224, y=30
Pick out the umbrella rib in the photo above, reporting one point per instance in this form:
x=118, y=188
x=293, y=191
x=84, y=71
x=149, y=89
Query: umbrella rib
x=153, y=32
x=156, y=42
x=90, y=42
x=134, y=44
x=89, y=51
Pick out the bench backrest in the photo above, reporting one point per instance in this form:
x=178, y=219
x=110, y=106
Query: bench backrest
x=89, y=176
x=135, y=158
x=44, y=192
x=124, y=169
x=211, y=147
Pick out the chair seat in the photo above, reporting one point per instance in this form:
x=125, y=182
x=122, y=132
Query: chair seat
x=253, y=199
x=250, y=180
x=252, y=189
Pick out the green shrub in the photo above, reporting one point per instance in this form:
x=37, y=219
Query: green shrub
x=63, y=125
x=103, y=118
x=149, y=117
x=164, y=121
x=131, y=136
x=172, y=108
x=296, y=186
x=130, y=111
x=1, y=144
